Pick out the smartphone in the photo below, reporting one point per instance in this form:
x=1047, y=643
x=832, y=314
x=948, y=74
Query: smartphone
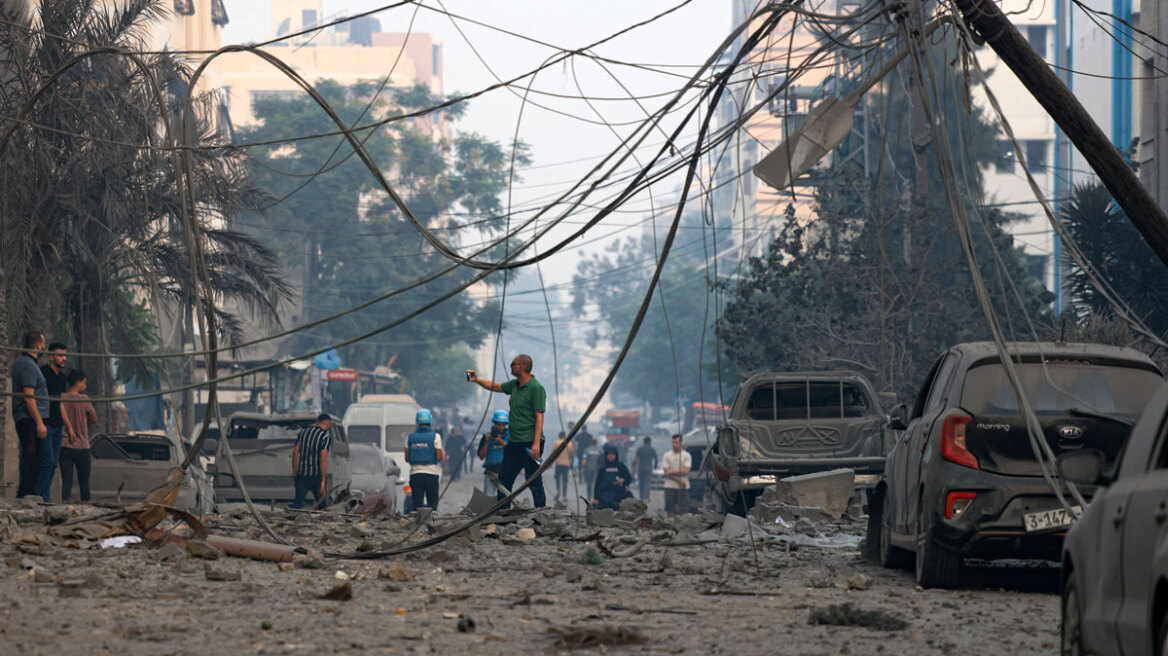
x=468, y=375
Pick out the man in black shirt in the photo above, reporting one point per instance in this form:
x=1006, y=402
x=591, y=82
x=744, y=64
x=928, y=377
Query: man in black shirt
x=310, y=460
x=645, y=461
x=55, y=380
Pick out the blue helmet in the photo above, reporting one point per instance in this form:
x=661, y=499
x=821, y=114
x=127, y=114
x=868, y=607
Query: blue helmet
x=424, y=417
x=501, y=417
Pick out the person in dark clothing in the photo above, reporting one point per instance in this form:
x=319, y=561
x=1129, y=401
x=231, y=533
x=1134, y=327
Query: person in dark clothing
x=491, y=451
x=456, y=446
x=612, y=480
x=29, y=414
x=645, y=461
x=425, y=455
x=79, y=414
x=56, y=426
x=310, y=461
x=527, y=404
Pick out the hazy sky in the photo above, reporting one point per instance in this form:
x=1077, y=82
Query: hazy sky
x=557, y=141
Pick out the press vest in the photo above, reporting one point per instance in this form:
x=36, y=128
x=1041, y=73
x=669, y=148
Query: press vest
x=421, y=444
x=495, y=453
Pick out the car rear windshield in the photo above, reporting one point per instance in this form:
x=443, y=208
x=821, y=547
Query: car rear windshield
x=395, y=437
x=1108, y=389
x=365, y=435
x=266, y=432
x=807, y=400
x=366, y=461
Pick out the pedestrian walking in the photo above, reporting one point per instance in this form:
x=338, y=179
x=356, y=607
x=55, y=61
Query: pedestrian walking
x=310, y=461
x=528, y=402
x=29, y=414
x=644, y=462
x=55, y=426
x=563, y=467
x=491, y=451
x=676, y=465
x=424, y=453
x=79, y=414
x=457, y=448
x=468, y=436
x=582, y=439
x=589, y=464
x=612, y=480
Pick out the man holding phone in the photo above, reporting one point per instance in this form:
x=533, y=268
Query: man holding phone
x=528, y=402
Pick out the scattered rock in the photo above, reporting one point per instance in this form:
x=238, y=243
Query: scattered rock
x=396, y=572
x=57, y=515
x=200, y=549
x=342, y=592
x=848, y=615
x=601, y=518
x=466, y=624
x=830, y=490
x=442, y=558
x=42, y=575
x=573, y=574
x=525, y=534
x=169, y=551
x=634, y=506
x=589, y=637
x=213, y=573
x=859, y=582
x=312, y=560
x=806, y=527
x=286, y=567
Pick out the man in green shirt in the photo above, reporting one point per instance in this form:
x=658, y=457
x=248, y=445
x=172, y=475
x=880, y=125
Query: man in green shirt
x=528, y=401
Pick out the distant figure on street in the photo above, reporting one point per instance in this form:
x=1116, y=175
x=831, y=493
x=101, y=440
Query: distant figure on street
x=468, y=436
x=612, y=481
x=56, y=426
x=491, y=451
x=79, y=414
x=528, y=402
x=310, y=461
x=456, y=446
x=563, y=467
x=583, y=439
x=644, y=462
x=29, y=414
x=676, y=466
x=589, y=464
x=424, y=453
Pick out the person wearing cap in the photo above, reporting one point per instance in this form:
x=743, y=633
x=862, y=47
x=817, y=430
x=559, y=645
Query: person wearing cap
x=424, y=453
x=528, y=402
x=310, y=461
x=491, y=446
x=612, y=480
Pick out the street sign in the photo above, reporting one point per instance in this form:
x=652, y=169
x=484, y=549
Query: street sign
x=341, y=374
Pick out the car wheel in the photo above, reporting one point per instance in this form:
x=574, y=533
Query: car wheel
x=937, y=567
x=1071, y=632
x=879, y=539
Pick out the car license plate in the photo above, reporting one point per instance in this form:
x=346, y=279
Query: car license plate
x=1048, y=519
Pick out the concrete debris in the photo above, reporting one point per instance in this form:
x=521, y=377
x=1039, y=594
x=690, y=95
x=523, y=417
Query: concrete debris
x=57, y=515
x=217, y=573
x=200, y=549
x=782, y=513
x=42, y=575
x=396, y=572
x=466, y=624
x=859, y=582
x=342, y=592
x=848, y=615
x=601, y=518
x=525, y=534
x=634, y=506
x=830, y=490
x=595, y=637
x=311, y=560
x=169, y=551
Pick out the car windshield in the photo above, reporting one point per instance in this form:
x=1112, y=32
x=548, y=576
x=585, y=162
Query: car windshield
x=266, y=432
x=365, y=435
x=1108, y=389
x=807, y=400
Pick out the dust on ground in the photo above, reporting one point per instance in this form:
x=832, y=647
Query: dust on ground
x=624, y=582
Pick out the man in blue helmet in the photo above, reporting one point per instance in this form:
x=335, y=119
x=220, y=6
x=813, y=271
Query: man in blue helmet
x=612, y=480
x=528, y=402
x=424, y=453
x=491, y=447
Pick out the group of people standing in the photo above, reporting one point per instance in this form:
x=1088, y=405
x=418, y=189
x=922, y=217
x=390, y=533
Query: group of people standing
x=52, y=414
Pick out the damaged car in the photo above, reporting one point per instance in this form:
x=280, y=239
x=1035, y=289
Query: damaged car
x=125, y=467
x=375, y=479
x=963, y=480
x=785, y=424
x=262, y=445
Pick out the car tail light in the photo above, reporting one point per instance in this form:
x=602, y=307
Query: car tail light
x=406, y=488
x=953, y=447
x=721, y=472
x=957, y=502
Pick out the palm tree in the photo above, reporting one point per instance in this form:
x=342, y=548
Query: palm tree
x=95, y=213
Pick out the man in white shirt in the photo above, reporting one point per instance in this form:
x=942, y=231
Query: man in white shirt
x=676, y=465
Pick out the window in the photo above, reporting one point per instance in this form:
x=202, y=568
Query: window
x=307, y=18
x=1036, y=34
x=807, y=400
x=1006, y=161
x=365, y=435
x=434, y=58
x=1036, y=154
x=1113, y=390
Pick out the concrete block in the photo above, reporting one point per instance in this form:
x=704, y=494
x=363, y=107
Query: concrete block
x=829, y=490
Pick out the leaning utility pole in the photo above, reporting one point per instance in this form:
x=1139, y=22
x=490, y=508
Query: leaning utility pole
x=988, y=22
x=1153, y=153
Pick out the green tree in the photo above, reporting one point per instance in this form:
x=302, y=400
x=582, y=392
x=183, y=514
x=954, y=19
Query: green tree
x=92, y=213
x=1119, y=254
x=873, y=283
x=350, y=243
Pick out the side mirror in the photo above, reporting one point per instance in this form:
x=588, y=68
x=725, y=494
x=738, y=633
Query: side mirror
x=1084, y=466
x=393, y=471
x=898, y=417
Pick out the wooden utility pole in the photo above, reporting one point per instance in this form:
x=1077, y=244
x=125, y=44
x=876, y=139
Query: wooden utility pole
x=987, y=20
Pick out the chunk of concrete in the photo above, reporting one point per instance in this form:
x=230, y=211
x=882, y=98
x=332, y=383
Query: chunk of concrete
x=829, y=490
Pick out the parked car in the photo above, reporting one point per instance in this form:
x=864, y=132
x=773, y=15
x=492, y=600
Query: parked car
x=1115, y=557
x=962, y=479
x=262, y=446
x=375, y=477
x=128, y=466
x=784, y=424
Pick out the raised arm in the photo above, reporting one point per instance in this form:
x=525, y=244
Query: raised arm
x=473, y=377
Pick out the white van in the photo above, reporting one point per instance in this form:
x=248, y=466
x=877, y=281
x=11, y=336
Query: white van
x=384, y=423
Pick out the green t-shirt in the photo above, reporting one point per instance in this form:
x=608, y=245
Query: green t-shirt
x=526, y=400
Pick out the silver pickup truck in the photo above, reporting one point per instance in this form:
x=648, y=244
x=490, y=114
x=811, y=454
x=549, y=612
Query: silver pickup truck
x=262, y=446
x=785, y=424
